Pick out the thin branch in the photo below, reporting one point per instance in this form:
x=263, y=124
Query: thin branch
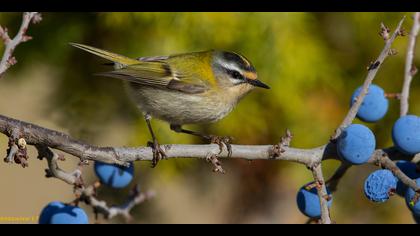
x=372, y=70
x=73, y=178
x=410, y=69
x=88, y=196
x=383, y=160
x=322, y=194
x=8, y=60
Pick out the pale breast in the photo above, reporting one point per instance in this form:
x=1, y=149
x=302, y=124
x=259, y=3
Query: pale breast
x=180, y=108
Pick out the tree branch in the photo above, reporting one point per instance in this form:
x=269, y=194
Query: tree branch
x=88, y=196
x=74, y=178
x=382, y=158
x=8, y=60
x=410, y=69
x=372, y=70
x=322, y=194
x=36, y=135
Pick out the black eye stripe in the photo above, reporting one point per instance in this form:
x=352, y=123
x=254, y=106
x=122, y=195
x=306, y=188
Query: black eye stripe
x=235, y=74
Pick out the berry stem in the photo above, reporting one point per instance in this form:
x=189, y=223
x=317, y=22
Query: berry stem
x=410, y=69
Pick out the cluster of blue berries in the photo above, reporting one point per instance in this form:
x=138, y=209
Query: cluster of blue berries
x=111, y=175
x=357, y=143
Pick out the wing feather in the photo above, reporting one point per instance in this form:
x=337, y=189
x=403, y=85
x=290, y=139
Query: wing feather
x=158, y=74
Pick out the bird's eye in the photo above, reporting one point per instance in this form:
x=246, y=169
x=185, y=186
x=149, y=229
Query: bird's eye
x=235, y=74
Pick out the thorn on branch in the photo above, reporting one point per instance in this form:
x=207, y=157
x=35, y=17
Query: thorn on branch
x=4, y=35
x=384, y=32
x=37, y=17
x=279, y=148
x=402, y=32
x=392, y=52
x=216, y=163
x=413, y=70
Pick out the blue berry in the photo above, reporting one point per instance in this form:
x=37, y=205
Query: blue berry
x=406, y=134
x=379, y=185
x=308, y=201
x=113, y=175
x=48, y=211
x=415, y=208
x=409, y=169
x=374, y=106
x=69, y=215
x=356, y=144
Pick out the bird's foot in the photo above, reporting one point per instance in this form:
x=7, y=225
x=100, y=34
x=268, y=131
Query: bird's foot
x=222, y=141
x=158, y=152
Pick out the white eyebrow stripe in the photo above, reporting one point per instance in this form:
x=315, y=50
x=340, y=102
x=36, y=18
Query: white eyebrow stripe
x=229, y=66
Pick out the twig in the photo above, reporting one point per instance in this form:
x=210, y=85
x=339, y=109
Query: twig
x=383, y=160
x=88, y=196
x=74, y=178
x=8, y=59
x=322, y=194
x=410, y=69
x=372, y=70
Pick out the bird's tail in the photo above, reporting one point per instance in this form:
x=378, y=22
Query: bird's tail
x=116, y=58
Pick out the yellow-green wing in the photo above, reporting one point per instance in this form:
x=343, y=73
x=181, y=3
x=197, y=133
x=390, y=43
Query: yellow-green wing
x=150, y=71
x=159, y=74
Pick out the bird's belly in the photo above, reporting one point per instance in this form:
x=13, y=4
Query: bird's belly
x=180, y=108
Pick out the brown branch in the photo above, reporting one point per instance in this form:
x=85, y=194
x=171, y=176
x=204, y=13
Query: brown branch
x=382, y=159
x=88, y=196
x=74, y=178
x=372, y=70
x=8, y=60
x=410, y=69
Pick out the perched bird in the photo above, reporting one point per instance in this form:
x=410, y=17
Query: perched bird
x=188, y=88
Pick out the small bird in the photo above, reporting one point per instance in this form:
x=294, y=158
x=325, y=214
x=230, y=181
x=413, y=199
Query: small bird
x=188, y=88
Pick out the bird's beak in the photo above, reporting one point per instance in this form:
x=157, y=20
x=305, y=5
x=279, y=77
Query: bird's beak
x=257, y=83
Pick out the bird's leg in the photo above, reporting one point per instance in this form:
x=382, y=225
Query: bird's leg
x=158, y=152
x=219, y=140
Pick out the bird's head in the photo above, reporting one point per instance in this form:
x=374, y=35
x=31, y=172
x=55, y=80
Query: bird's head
x=234, y=71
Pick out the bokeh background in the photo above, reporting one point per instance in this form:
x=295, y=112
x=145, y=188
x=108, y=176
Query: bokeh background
x=312, y=61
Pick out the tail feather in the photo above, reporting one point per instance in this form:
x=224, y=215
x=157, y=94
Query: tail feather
x=120, y=59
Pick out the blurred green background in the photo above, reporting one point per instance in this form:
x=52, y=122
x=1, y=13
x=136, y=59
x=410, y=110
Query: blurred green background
x=312, y=61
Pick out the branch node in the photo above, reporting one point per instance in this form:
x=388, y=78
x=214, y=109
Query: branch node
x=413, y=70
x=373, y=65
x=402, y=32
x=392, y=52
x=4, y=35
x=213, y=158
x=384, y=32
x=278, y=149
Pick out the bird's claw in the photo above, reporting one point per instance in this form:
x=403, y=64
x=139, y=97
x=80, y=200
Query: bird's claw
x=158, y=153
